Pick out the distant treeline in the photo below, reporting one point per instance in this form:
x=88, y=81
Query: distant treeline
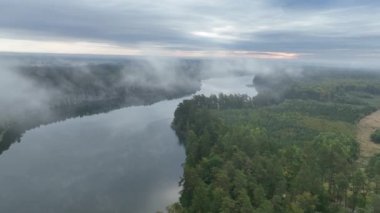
x=85, y=89
x=290, y=149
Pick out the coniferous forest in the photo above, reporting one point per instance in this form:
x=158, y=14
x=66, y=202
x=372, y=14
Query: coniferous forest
x=292, y=148
x=84, y=89
x=190, y=106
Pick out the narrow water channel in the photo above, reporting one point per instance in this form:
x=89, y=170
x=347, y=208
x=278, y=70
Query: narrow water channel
x=127, y=160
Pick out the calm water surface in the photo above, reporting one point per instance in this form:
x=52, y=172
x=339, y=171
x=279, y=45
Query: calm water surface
x=127, y=160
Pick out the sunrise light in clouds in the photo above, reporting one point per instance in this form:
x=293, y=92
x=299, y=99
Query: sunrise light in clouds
x=93, y=48
x=189, y=106
x=322, y=30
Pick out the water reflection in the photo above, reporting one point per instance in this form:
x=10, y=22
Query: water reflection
x=128, y=160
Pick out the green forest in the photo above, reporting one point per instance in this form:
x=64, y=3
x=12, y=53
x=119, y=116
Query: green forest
x=292, y=148
x=93, y=88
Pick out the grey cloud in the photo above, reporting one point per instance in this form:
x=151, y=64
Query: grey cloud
x=304, y=43
x=320, y=4
x=58, y=19
x=290, y=25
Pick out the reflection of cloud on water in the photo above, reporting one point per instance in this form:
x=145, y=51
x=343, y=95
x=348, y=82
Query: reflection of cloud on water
x=167, y=193
x=228, y=85
x=127, y=160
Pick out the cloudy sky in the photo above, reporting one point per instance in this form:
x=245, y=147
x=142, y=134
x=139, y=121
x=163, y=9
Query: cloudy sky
x=279, y=29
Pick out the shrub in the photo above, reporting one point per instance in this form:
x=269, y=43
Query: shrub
x=375, y=137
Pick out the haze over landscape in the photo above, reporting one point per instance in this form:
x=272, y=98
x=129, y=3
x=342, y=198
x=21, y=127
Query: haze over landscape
x=288, y=29
x=189, y=106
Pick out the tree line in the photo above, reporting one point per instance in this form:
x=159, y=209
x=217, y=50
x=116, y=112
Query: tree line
x=292, y=151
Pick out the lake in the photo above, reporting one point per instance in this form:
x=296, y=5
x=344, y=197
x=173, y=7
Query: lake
x=126, y=160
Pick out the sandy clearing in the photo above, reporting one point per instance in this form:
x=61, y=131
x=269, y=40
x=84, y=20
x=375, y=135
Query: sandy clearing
x=365, y=128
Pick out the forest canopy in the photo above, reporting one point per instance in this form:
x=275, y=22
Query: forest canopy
x=292, y=148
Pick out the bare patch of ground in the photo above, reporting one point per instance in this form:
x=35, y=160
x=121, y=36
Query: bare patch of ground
x=365, y=128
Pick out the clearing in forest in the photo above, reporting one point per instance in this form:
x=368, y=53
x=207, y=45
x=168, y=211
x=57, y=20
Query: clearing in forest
x=366, y=127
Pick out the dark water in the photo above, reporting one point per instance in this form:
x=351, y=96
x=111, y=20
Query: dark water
x=127, y=160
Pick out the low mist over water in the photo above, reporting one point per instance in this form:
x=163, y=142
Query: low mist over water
x=127, y=160
x=125, y=106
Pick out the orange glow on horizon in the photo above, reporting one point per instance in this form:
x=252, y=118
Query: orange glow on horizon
x=96, y=48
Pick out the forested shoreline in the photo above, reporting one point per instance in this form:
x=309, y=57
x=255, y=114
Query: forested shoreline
x=72, y=90
x=292, y=148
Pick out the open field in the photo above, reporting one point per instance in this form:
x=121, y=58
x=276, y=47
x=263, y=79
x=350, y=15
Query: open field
x=365, y=128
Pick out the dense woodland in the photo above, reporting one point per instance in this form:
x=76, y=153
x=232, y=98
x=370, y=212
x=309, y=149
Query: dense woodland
x=290, y=149
x=89, y=88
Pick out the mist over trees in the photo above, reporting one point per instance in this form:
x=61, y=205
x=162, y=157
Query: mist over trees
x=40, y=89
x=39, y=93
x=290, y=149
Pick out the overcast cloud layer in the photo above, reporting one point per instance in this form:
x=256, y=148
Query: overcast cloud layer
x=342, y=29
